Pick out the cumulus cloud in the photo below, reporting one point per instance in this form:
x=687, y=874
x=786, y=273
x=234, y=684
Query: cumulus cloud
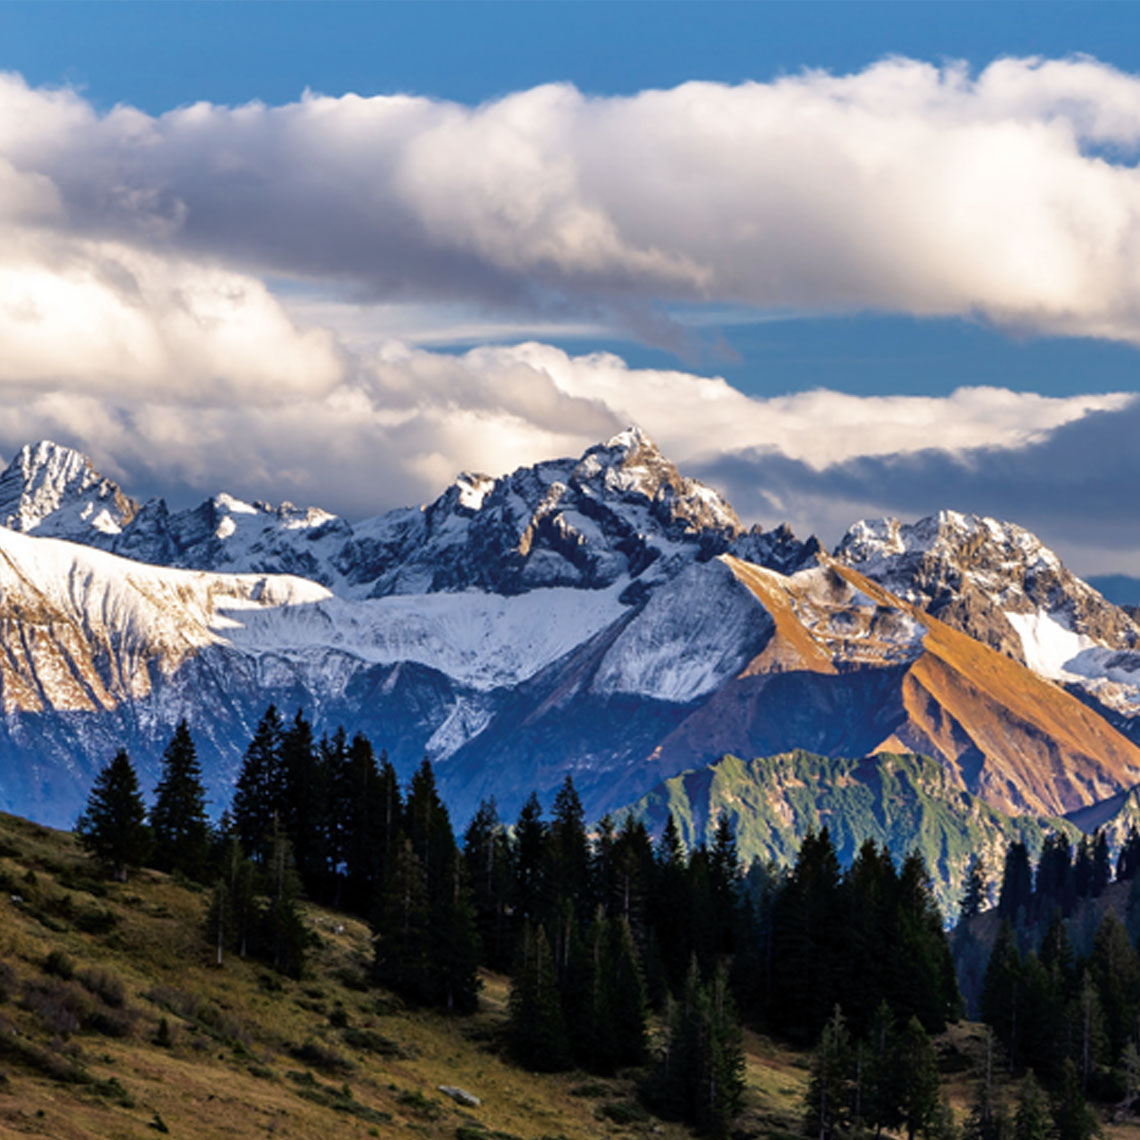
x=905, y=187
x=173, y=288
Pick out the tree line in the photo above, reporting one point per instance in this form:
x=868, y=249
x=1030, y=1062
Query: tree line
x=598, y=927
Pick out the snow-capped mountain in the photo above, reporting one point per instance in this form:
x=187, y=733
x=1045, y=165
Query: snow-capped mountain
x=1001, y=585
x=603, y=615
x=621, y=510
x=53, y=490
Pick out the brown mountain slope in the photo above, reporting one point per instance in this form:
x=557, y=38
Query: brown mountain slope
x=851, y=669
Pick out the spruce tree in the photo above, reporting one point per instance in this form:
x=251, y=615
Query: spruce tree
x=258, y=792
x=537, y=1028
x=486, y=855
x=402, y=947
x=918, y=1078
x=178, y=817
x=113, y=827
x=829, y=1089
x=283, y=928
x=1001, y=996
x=1072, y=1117
x=529, y=891
x=975, y=890
x=1115, y=970
x=1032, y=1120
x=1016, y=884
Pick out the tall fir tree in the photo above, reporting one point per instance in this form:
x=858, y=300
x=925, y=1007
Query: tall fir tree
x=258, y=792
x=1016, y=895
x=178, y=818
x=975, y=890
x=537, y=1028
x=829, y=1102
x=113, y=827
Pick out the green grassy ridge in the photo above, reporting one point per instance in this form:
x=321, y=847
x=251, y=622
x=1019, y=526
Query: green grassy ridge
x=907, y=802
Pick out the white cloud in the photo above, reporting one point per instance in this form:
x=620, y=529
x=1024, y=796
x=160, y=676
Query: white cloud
x=904, y=187
x=136, y=320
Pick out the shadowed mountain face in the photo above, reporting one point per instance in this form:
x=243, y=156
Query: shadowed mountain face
x=603, y=616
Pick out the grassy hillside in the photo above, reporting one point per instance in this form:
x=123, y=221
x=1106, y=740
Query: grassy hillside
x=908, y=802
x=90, y=970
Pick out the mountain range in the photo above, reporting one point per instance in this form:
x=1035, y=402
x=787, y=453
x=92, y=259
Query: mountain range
x=603, y=616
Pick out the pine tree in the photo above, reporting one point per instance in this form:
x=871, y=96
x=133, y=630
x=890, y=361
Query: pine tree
x=1032, y=1120
x=975, y=890
x=1115, y=970
x=700, y=1076
x=113, y=827
x=284, y=932
x=724, y=886
x=401, y=959
x=537, y=1029
x=881, y=1092
x=1016, y=884
x=829, y=1089
x=486, y=855
x=258, y=793
x=529, y=892
x=1072, y=1117
x=1001, y=998
x=304, y=803
x=626, y=994
x=178, y=817
x=918, y=1072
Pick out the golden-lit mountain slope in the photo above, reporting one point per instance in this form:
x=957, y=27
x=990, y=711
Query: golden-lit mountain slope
x=851, y=669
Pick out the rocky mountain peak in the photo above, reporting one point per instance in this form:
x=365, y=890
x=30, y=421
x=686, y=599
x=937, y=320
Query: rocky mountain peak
x=56, y=490
x=982, y=576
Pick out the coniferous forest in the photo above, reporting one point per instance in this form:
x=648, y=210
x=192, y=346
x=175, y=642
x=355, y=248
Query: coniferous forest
x=608, y=930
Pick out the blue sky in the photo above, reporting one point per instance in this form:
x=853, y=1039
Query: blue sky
x=699, y=308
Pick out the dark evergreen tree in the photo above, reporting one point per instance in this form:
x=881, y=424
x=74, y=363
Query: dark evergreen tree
x=1059, y=883
x=724, y=888
x=1115, y=970
x=258, y=793
x=918, y=1078
x=1083, y=870
x=487, y=856
x=808, y=954
x=304, y=807
x=365, y=846
x=402, y=937
x=1016, y=896
x=1072, y=1117
x=1033, y=1120
x=536, y=1027
x=1001, y=997
x=178, y=818
x=529, y=890
x=975, y=890
x=829, y=1095
x=670, y=906
x=113, y=827
x=700, y=1076
x=283, y=932
x=924, y=983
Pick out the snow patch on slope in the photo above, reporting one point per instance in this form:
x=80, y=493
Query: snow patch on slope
x=481, y=640
x=693, y=634
x=1050, y=646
